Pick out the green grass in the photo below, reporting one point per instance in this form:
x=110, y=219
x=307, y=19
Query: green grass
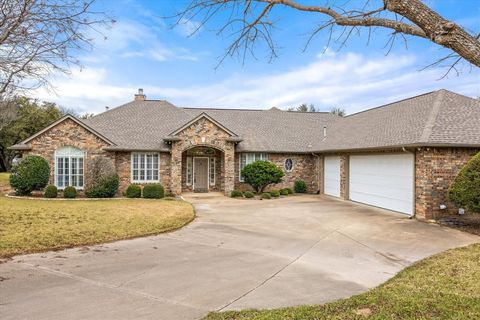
x=28, y=226
x=4, y=176
x=445, y=286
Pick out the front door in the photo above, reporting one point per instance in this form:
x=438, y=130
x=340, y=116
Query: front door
x=200, y=174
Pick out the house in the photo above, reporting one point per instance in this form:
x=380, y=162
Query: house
x=400, y=156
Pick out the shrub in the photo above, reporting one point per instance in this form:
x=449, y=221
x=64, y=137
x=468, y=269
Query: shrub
x=31, y=173
x=289, y=190
x=70, y=193
x=153, y=191
x=51, y=192
x=284, y=192
x=464, y=191
x=107, y=188
x=248, y=194
x=300, y=186
x=261, y=174
x=266, y=195
x=98, y=169
x=275, y=193
x=170, y=194
x=236, y=193
x=133, y=191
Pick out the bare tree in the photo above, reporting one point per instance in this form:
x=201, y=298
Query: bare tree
x=251, y=23
x=8, y=112
x=38, y=37
x=338, y=111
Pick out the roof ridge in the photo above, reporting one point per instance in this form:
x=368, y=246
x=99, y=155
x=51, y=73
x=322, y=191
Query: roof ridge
x=394, y=102
x=432, y=117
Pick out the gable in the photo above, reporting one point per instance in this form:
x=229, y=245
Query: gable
x=203, y=125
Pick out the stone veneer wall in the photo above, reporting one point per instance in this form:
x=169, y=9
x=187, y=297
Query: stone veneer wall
x=202, y=133
x=68, y=133
x=219, y=178
x=435, y=169
x=123, y=165
x=305, y=167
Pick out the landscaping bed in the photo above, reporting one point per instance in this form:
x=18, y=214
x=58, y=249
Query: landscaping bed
x=444, y=286
x=468, y=223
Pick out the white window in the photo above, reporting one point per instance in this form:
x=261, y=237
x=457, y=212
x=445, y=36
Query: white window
x=189, y=171
x=247, y=158
x=212, y=171
x=69, y=163
x=288, y=165
x=145, y=167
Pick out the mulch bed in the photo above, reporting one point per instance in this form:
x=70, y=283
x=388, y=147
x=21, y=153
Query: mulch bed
x=468, y=223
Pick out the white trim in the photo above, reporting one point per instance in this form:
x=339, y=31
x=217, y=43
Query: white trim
x=186, y=171
x=214, y=170
x=208, y=172
x=145, y=175
x=70, y=157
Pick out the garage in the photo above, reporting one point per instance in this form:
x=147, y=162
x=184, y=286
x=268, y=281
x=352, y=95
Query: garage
x=385, y=181
x=331, y=176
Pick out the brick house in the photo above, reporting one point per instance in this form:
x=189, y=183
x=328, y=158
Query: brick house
x=400, y=156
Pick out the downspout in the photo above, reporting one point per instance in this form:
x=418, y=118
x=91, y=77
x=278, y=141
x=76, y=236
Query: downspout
x=414, y=181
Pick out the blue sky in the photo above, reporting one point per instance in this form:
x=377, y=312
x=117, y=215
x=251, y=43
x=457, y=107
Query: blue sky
x=142, y=50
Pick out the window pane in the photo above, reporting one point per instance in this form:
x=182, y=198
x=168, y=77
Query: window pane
x=189, y=170
x=80, y=181
x=66, y=166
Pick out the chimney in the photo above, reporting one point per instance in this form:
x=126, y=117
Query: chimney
x=140, y=96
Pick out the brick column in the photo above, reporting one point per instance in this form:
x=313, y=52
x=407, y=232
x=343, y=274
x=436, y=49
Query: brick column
x=229, y=167
x=344, y=177
x=176, y=169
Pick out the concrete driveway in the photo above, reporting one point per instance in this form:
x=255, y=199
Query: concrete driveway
x=237, y=254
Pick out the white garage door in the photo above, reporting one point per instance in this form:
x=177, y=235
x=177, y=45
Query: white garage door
x=331, y=175
x=385, y=181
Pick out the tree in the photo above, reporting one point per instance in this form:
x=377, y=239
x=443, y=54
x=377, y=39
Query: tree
x=338, y=111
x=260, y=174
x=312, y=108
x=251, y=22
x=31, y=116
x=38, y=37
x=303, y=108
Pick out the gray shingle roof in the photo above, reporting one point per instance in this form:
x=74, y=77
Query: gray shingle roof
x=436, y=118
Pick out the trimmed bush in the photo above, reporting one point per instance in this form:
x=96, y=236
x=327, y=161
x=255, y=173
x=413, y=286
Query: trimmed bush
x=153, y=191
x=266, y=195
x=275, y=193
x=464, y=191
x=170, y=195
x=70, y=193
x=289, y=190
x=261, y=174
x=31, y=173
x=300, y=186
x=107, y=188
x=284, y=192
x=248, y=194
x=50, y=192
x=133, y=191
x=236, y=193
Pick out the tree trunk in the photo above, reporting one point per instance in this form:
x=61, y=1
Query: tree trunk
x=439, y=30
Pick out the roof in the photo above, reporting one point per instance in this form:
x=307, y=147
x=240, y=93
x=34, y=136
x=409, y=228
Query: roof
x=438, y=118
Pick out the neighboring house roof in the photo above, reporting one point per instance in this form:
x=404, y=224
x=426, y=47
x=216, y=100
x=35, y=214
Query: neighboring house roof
x=439, y=118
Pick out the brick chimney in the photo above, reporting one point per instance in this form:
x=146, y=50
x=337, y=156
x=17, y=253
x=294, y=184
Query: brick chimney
x=140, y=96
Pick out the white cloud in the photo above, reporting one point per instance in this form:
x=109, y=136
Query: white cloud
x=352, y=81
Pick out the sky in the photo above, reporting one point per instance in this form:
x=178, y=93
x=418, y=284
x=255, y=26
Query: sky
x=144, y=49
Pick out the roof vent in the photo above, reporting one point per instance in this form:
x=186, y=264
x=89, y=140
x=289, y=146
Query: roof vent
x=324, y=132
x=140, y=96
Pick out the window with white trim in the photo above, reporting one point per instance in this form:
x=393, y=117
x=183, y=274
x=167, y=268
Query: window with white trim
x=212, y=171
x=145, y=167
x=189, y=177
x=246, y=159
x=69, y=162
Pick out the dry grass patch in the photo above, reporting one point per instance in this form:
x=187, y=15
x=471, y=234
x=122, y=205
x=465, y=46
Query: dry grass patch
x=445, y=286
x=28, y=226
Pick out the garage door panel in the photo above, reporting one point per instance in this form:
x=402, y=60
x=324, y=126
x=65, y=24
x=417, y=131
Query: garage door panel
x=331, y=180
x=383, y=180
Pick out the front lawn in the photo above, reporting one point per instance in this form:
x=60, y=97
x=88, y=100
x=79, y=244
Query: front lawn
x=445, y=286
x=4, y=176
x=28, y=226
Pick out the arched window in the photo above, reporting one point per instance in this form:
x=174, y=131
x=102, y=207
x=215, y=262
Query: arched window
x=69, y=163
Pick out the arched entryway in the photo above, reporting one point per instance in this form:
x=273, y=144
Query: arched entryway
x=203, y=169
